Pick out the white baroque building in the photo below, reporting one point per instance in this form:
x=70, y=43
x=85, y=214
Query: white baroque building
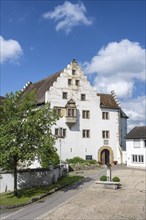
x=92, y=125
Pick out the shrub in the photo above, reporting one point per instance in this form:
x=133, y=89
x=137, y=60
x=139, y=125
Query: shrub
x=116, y=179
x=91, y=161
x=75, y=160
x=103, y=178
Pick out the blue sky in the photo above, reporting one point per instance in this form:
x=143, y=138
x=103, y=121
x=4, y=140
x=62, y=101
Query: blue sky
x=107, y=38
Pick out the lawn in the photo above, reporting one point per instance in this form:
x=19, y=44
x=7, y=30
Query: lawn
x=25, y=195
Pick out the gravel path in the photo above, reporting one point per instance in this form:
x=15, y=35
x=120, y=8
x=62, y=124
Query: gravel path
x=94, y=203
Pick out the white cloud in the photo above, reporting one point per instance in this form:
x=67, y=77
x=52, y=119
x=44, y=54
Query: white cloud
x=117, y=66
x=10, y=50
x=136, y=111
x=68, y=15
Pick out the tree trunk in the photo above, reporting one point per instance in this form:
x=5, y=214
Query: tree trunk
x=15, y=177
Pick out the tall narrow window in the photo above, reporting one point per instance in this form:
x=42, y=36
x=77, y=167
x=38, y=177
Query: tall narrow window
x=69, y=82
x=83, y=97
x=77, y=82
x=64, y=95
x=105, y=134
x=64, y=132
x=73, y=72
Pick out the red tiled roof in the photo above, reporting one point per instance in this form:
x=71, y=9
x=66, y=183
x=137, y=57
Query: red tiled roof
x=42, y=86
x=107, y=101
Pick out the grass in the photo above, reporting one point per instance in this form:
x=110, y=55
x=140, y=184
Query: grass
x=25, y=195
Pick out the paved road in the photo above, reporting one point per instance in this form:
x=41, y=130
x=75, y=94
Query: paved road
x=85, y=201
x=37, y=209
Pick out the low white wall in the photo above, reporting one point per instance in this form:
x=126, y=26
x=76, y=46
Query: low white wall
x=30, y=178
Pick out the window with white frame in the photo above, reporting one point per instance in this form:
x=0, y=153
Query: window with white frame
x=144, y=143
x=136, y=143
x=86, y=133
x=85, y=114
x=137, y=158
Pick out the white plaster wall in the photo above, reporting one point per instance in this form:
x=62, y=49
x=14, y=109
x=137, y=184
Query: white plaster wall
x=29, y=179
x=74, y=145
x=124, y=153
x=135, y=151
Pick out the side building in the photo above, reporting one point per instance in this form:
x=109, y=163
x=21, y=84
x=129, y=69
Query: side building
x=136, y=147
x=92, y=125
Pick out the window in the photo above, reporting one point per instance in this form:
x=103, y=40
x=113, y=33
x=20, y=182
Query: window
x=70, y=149
x=77, y=82
x=64, y=95
x=105, y=115
x=105, y=134
x=83, y=97
x=69, y=82
x=60, y=132
x=73, y=72
x=71, y=112
x=58, y=111
x=64, y=132
x=86, y=133
x=136, y=143
x=86, y=114
x=88, y=157
x=144, y=143
x=137, y=158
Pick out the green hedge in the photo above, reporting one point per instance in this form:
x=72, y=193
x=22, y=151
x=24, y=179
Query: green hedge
x=78, y=160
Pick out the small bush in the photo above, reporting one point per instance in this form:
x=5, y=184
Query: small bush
x=103, y=178
x=116, y=179
x=75, y=160
x=91, y=161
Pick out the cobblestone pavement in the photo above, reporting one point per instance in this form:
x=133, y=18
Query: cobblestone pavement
x=94, y=203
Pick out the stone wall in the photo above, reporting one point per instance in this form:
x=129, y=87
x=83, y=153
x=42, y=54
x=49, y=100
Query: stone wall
x=30, y=178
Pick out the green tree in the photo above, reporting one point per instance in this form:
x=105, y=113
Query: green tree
x=25, y=132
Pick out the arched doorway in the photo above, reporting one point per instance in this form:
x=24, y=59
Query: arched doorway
x=105, y=156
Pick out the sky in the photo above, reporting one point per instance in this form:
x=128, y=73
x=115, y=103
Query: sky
x=106, y=37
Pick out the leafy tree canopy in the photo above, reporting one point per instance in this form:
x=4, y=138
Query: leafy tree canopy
x=25, y=131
